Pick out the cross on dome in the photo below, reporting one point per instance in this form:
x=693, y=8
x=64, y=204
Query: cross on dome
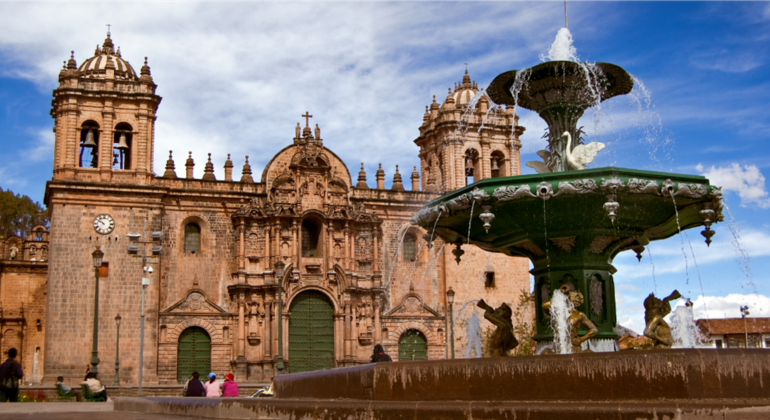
x=307, y=118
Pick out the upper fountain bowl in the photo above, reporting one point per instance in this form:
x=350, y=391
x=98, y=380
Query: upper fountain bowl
x=560, y=83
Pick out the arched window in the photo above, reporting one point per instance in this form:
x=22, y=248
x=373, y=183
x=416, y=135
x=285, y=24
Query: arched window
x=496, y=163
x=471, y=161
x=192, y=239
x=121, y=146
x=412, y=345
x=309, y=239
x=410, y=247
x=89, y=144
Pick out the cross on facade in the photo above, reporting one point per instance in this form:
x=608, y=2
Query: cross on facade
x=307, y=118
x=108, y=28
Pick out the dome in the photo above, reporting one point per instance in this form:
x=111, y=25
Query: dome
x=465, y=91
x=107, y=56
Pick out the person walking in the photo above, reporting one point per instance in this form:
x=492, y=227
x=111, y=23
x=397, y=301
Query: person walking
x=212, y=386
x=194, y=387
x=10, y=374
x=230, y=388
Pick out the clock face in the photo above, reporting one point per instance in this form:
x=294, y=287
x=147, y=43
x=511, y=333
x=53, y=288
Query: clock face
x=104, y=224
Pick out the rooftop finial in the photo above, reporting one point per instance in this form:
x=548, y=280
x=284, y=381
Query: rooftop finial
x=246, y=174
x=361, y=185
x=208, y=171
x=108, y=30
x=170, y=172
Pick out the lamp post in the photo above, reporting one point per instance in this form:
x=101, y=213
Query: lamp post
x=450, y=299
x=97, y=256
x=279, y=266
x=744, y=313
x=133, y=248
x=117, y=352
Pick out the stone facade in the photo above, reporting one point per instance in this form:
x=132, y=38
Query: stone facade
x=233, y=249
x=23, y=271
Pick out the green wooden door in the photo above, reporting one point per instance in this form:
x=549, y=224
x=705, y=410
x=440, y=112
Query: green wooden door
x=193, y=354
x=412, y=346
x=311, y=332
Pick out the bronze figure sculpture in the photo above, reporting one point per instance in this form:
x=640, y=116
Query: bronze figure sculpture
x=575, y=320
x=503, y=339
x=657, y=328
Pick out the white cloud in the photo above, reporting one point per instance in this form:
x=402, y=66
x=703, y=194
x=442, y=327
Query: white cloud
x=42, y=149
x=746, y=180
x=235, y=77
x=729, y=306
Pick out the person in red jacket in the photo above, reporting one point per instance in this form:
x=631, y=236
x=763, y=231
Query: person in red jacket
x=229, y=387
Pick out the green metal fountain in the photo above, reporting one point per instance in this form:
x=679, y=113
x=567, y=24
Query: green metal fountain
x=570, y=221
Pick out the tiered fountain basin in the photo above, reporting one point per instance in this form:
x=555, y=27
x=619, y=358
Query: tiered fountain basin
x=571, y=225
x=665, y=384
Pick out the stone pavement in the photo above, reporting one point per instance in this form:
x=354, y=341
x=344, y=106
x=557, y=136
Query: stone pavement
x=72, y=411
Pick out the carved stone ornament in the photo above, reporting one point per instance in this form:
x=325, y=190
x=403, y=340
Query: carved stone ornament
x=459, y=203
x=578, y=186
x=597, y=296
x=613, y=184
x=600, y=243
x=566, y=243
x=479, y=195
x=194, y=302
x=691, y=190
x=544, y=190
x=513, y=192
x=643, y=186
x=667, y=188
x=426, y=216
x=458, y=252
x=611, y=206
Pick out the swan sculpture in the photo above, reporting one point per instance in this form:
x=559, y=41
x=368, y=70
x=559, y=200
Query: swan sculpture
x=582, y=154
x=578, y=158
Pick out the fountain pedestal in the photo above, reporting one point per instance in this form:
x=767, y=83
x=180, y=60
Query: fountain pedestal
x=572, y=224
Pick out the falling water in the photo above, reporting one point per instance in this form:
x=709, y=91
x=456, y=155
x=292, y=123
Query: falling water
x=561, y=307
x=562, y=48
x=739, y=249
x=465, y=119
x=395, y=256
x=683, y=328
x=654, y=281
x=679, y=228
x=697, y=270
x=470, y=221
x=473, y=332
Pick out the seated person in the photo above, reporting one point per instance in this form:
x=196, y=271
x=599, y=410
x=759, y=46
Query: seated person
x=68, y=391
x=194, y=386
x=96, y=387
x=265, y=392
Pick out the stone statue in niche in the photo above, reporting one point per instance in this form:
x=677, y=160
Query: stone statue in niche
x=14, y=252
x=657, y=328
x=502, y=340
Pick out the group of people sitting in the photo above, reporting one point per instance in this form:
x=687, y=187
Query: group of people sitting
x=211, y=388
x=194, y=386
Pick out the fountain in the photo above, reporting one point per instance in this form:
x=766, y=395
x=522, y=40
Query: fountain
x=570, y=222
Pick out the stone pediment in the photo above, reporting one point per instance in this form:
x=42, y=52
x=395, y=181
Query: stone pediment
x=412, y=305
x=195, y=302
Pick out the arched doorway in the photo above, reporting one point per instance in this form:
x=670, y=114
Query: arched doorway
x=311, y=332
x=193, y=353
x=412, y=345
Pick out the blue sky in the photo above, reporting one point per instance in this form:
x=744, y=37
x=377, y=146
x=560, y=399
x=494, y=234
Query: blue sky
x=235, y=78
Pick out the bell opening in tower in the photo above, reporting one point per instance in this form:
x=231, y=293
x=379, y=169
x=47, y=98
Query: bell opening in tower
x=121, y=146
x=89, y=144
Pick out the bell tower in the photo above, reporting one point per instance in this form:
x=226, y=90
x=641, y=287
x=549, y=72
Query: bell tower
x=104, y=119
x=464, y=140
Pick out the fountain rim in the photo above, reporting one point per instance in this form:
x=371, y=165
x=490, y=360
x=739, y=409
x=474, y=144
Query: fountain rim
x=579, y=174
x=619, y=82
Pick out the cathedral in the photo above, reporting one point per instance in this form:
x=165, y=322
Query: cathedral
x=301, y=267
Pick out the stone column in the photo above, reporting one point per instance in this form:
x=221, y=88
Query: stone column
x=297, y=246
x=268, y=338
x=377, y=326
x=241, y=326
x=485, y=157
x=376, y=256
x=347, y=246
x=242, y=245
x=348, y=331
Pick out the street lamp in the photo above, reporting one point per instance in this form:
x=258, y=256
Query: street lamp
x=450, y=299
x=97, y=256
x=279, y=266
x=146, y=271
x=744, y=313
x=117, y=352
